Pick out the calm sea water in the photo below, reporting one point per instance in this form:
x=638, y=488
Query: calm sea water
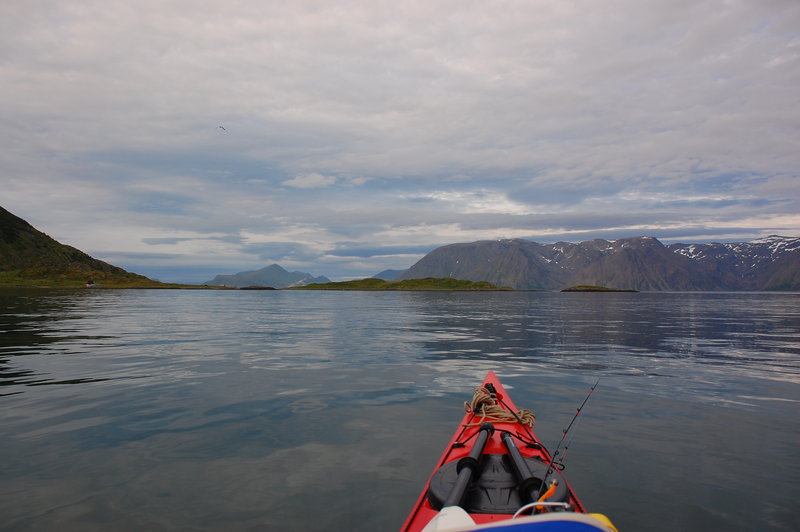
x=242, y=410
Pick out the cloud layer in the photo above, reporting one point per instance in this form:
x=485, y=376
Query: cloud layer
x=358, y=135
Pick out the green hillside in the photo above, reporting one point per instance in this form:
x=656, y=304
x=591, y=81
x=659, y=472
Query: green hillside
x=428, y=283
x=29, y=257
x=592, y=288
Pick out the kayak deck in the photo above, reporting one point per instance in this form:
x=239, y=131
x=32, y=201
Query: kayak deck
x=511, y=470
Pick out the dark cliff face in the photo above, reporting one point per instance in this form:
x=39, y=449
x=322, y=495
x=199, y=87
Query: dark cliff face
x=641, y=263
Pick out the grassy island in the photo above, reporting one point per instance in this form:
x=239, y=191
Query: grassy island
x=429, y=283
x=590, y=288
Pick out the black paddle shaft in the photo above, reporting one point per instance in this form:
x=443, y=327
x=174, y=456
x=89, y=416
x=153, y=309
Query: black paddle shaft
x=468, y=466
x=529, y=484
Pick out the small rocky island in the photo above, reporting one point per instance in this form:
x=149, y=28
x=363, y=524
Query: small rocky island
x=590, y=288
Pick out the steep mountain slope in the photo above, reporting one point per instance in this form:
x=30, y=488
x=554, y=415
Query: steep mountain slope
x=771, y=263
x=520, y=264
x=273, y=275
x=389, y=275
x=785, y=276
x=641, y=263
x=30, y=257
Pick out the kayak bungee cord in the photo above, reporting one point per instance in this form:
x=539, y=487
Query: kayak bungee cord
x=487, y=403
x=553, y=464
x=527, y=421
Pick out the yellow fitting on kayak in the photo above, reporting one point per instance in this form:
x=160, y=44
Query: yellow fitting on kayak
x=605, y=520
x=546, y=495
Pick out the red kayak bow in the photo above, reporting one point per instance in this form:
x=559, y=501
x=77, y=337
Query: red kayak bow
x=495, y=473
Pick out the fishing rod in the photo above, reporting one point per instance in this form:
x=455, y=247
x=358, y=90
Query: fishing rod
x=543, y=488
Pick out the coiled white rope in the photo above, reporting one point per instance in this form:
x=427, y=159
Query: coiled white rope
x=485, y=404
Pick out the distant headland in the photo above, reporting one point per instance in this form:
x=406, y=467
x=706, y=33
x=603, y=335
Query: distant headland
x=30, y=258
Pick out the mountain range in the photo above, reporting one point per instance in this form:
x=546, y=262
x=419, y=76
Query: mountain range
x=640, y=263
x=29, y=257
x=274, y=276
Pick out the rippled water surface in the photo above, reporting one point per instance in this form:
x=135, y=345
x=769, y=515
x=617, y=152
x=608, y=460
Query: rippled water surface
x=266, y=410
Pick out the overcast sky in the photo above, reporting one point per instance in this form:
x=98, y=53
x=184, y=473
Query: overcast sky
x=359, y=135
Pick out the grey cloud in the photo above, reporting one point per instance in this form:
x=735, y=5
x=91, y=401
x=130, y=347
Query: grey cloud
x=281, y=251
x=231, y=239
x=353, y=249
x=627, y=115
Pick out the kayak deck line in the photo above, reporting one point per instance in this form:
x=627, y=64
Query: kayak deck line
x=490, y=406
x=493, y=471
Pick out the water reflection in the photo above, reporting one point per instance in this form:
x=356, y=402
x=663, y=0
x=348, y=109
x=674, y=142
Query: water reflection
x=686, y=341
x=237, y=410
x=681, y=341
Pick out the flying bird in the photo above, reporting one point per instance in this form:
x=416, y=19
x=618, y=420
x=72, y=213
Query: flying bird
x=222, y=128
